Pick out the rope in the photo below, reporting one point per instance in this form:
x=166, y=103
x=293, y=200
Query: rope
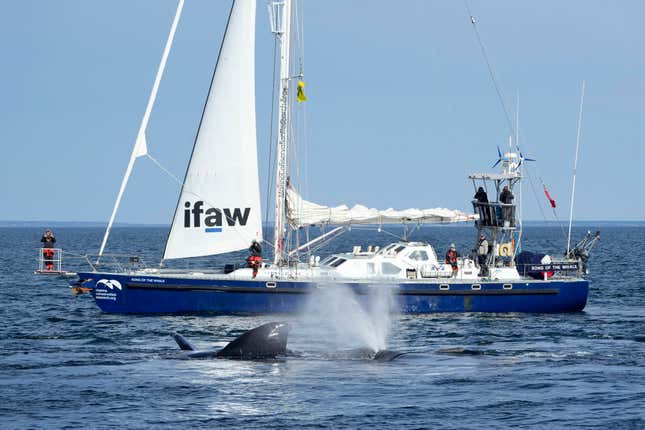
x=175, y=178
x=506, y=114
x=188, y=191
x=555, y=214
x=535, y=194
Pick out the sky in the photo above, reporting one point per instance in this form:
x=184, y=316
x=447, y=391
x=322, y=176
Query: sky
x=401, y=107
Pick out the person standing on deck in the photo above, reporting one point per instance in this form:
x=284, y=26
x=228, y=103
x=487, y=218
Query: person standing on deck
x=482, y=255
x=255, y=259
x=506, y=197
x=48, y=240
x=451, y=258
x=482, y=199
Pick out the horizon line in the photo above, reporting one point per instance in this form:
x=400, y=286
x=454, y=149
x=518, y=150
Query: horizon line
x=44, y=223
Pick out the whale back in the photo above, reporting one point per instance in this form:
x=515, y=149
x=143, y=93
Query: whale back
x=266, y=341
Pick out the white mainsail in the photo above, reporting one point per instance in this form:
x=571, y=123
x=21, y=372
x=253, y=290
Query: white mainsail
x=219, y=207
x=304, y=213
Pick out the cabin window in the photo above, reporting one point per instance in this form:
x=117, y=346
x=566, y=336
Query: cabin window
x=399, y=249
x=338, y=262
x=389, y=269
x=419, y=256
x=328, y=260
x=387, y=248
x=371, y=269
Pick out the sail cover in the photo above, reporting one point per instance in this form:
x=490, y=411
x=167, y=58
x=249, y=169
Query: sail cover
x=303, y=213
x=219, y=207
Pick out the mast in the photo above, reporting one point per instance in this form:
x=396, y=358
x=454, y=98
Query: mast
x=520, y=194
x=140, y=148
x=280, y=15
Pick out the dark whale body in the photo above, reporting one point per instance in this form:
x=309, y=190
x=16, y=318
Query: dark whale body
x=383, y=355
x=270, y=341
x=266, y=341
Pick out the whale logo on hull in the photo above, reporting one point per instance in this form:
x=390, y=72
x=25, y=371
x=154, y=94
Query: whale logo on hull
x=110, y=283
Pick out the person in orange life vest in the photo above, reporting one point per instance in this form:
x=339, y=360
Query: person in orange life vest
x=451, y=258
x=48, y=241
x=255, y=259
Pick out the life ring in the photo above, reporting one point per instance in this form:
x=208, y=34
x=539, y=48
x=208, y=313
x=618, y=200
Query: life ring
x=505, y=250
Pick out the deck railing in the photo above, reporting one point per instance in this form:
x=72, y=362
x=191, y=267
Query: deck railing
x=50, y=260
x=495, y=214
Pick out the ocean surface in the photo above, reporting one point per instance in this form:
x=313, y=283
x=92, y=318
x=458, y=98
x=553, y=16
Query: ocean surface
x=64, y=364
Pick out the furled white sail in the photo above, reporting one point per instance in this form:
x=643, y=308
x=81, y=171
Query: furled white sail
x=219, y=207
x=303, y=213
x=140, y=147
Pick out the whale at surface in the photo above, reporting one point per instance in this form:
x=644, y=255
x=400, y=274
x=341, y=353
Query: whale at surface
x=270, y=341
x=383, y=355
x=266, y=341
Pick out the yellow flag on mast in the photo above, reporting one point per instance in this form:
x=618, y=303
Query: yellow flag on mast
x=301, y=97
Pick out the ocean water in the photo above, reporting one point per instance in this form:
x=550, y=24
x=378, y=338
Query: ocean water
x=64, y=364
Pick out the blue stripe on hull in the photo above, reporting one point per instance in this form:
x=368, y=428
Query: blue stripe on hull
x=158, y=295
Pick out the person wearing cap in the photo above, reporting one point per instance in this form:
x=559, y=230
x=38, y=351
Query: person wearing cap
x=451, y=258
x=482, y=254
x=48, y=240
x=255, y=259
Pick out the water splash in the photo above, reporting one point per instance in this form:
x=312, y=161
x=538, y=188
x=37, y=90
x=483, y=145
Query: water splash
x=338, y=318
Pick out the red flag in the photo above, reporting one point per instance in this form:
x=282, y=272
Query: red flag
x=546, y=192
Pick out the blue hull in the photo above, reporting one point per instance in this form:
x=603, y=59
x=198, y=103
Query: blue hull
x=127, y=294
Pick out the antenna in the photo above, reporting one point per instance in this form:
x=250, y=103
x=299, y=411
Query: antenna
x=575, y=165
x=517, y=119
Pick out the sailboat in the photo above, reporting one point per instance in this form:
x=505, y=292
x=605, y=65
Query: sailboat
x=218, y=211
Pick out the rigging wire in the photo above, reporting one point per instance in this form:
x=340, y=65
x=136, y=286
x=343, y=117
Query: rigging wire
x=182, y=184
x=305, y=128
x=535, y=194
x=168, y=172
x=298, y=125
x=509, y=123
x=555, y=214
x=498, y=90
